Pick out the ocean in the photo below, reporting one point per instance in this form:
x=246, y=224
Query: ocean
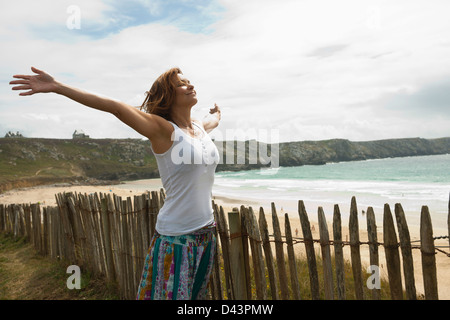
x=411, y=181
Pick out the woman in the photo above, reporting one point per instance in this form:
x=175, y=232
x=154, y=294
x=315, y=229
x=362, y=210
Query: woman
x=180, y=258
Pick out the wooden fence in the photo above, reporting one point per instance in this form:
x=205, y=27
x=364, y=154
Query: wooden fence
x=110, y=236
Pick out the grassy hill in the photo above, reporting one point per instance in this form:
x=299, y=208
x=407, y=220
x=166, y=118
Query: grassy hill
x=32, y=161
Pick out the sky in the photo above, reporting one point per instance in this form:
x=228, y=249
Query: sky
x=280, y=70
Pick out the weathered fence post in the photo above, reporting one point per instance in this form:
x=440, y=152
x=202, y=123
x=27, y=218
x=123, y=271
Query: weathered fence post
x=237, y=256
x=79, y=234
x=18, y=221
x=216, y=284
x=91, y=234
x=136, y=237
x=373, y=246
x=107, y=240
x=126, y=225
x=2, y=217
x=156, y=202
x=280, y=255
x=27, y=217
x=68, y=246
x=45, y=249
x=142, y=225
x=338, y=253
x=116, y=220
x=392, y=255
x=326, y=256
x=95, y=206
x=405, y=245
x=292, y=260
x=428, y=258
x=257, y=256
x=225, y=244
x=36, y=226
x=268, y=254
x=55, y=232
x=310, y=254
x=355, y=250
x=245, y=250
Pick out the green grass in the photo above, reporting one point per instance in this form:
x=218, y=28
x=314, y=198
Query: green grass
x=26, y=275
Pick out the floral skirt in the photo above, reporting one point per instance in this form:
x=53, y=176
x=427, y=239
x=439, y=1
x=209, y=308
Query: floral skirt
x=178, y=267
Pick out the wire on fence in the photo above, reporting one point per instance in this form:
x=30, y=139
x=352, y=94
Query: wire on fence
x=297, y=240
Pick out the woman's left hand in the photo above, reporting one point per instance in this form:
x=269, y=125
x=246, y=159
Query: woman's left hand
x=215, y=110
x=209, y=123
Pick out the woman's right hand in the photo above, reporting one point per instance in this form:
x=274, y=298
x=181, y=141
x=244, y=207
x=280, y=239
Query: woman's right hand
x=41, y=82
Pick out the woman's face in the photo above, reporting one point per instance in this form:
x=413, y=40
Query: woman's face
x=185, y=93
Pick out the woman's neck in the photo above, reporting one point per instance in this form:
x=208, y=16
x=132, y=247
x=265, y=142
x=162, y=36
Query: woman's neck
x=182, y=118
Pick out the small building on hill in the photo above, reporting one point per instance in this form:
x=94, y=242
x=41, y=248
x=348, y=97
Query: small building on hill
x=79, y=134
x=10, y=134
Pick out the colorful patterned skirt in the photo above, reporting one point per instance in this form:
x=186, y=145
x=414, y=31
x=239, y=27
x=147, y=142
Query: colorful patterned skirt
x=178, y=267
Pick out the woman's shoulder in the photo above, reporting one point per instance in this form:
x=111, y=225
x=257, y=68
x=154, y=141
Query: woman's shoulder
x=199, y=123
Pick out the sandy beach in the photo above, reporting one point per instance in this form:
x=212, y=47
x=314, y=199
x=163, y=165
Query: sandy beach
x=45, y=195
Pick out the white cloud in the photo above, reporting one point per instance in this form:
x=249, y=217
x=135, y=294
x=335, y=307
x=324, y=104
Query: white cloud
x=312, y=69
x=42, y=116
x=22, y=18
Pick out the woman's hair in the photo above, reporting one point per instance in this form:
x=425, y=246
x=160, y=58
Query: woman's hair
x=162, y=94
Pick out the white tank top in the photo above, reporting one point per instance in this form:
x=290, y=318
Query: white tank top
x=187, y=174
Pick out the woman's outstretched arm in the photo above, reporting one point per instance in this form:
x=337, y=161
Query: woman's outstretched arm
x=151, y=126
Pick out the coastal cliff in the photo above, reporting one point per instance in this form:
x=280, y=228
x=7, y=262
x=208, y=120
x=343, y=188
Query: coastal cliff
x=26, y=162
x=335, y=150
x=339, y=150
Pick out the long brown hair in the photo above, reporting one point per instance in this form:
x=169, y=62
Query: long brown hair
x=162, y=94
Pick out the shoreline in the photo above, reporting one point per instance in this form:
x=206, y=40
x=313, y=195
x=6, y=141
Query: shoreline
x=45, y=195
